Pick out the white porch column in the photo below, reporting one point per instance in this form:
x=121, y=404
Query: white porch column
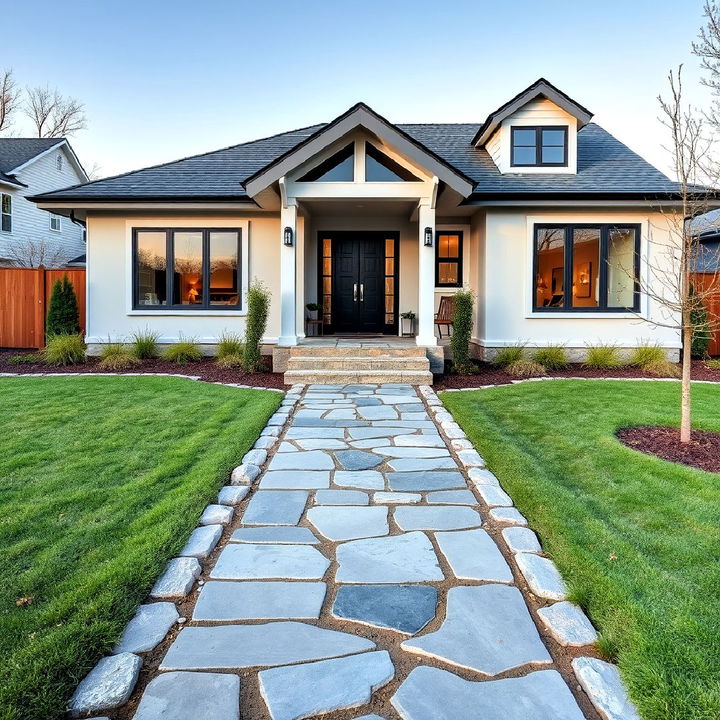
x=426, y=278
x=288, y=286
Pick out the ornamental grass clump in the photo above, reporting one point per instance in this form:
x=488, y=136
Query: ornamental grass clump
x=182, y=352
x=258, y=300
x=115, y=356
x=462, y=332
x=651, y=358
x=145, y=344
x=603, y=357
x=553, y=357
x=713, y=364
x=230, y=361
x=230, y=345
x=509, y=355
x=64, y=349
x=524, y=368
x=27, y=359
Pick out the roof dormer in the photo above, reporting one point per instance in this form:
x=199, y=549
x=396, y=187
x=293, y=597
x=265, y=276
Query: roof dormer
x=535, y=132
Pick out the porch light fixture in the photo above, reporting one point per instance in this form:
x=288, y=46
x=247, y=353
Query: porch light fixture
x=288, y=236
x=428, y=236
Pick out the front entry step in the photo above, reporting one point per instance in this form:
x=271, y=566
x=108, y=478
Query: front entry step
x=349, y=377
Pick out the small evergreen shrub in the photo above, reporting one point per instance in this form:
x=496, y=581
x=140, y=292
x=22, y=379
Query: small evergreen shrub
x=230, y=345
x=145, y=344
x=27, y=359
x=63, y=317
x=553, y=357
x=115, y=356
x=507, y=356
x=462, y=331
x=230, y=361
x=64, y=349
x=603, y=357
x=524, y=368
x=183, y=351
x=258, y=298
x=647, y=353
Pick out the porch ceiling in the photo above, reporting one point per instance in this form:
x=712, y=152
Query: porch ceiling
x=360, y=208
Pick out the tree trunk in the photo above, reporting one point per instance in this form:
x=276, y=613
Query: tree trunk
x=685, y=404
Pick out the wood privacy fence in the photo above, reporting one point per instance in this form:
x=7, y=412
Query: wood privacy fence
x=711, y=282
x=25, y=300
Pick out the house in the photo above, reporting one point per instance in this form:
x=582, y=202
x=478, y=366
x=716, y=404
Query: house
x=30, y=236
x=545, y=215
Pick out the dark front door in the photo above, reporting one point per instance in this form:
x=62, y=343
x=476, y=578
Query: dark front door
x=358, y=275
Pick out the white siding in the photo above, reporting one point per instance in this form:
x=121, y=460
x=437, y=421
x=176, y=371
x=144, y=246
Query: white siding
x=30, y=224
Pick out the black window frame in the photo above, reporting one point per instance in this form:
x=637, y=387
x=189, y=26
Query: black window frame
x=538, y=145
x=568, y=252
x=205, y=306
x=4, y=215
x=458, y=260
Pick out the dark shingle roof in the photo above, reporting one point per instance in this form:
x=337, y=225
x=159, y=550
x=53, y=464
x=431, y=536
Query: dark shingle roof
x=605, y=167
x=17, y=151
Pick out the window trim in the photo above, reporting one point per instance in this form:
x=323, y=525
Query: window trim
x=538, y=145
x=568, y=250
x=59, y=220
x=205, y=307
x=458, y=259
x=8, y=215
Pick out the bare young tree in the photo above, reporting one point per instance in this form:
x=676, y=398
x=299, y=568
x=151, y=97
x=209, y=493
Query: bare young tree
x=53, y=114
x=31, y=253
x=9, y=98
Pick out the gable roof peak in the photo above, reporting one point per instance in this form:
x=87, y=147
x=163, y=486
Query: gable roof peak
x=540, y=88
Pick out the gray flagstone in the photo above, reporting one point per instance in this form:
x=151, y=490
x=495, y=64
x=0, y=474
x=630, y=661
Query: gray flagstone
x=568, y=624
x=275, y=507
x=358, y=459
x=261, y=561
x=349, y=522
x=295, y=479
x=366, y=479
x=302, y=460
x=542, y=576
x=148, y=627
x=418, y=481
x=279, y=534
x=451, y=497
x=341, y=497
x=436, y=517
x=473, y=555
x=603, y=685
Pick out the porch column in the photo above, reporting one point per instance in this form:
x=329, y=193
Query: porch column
x=426, y=278
x=288, y=219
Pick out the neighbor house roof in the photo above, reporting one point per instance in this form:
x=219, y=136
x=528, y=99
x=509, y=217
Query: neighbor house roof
x=16, y=153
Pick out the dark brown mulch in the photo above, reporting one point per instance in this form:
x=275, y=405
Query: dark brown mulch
x=207, y=369
x=487, y=374
x=702, y=452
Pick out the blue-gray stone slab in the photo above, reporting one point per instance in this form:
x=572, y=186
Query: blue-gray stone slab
x=267, y=644
x=349, y=522
x=421, y=464
x=381, y=412
x=361, y=433
x=232, y=494
x=341, y=497
x=487, y=629
x=473, y=555
x=177, y=580
x=302, y=460
x=367, y=402
x=295, y=433
x=265, y=562
x=148, y=627
x=437, y=517
x=433, y=694
x=405, y=608
x=419, y=481
x=190, y=696
x=275, y=534
x=295, y=479
x=275, y=507
x=224, y=601
x=312, y=689
x=452, y=497
x=365, y=479
x=358, y=459
x=413, y=452
x=202, y=541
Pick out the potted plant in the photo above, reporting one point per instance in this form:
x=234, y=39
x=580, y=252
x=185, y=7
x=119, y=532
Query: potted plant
x=407, y=319
x=313, y=310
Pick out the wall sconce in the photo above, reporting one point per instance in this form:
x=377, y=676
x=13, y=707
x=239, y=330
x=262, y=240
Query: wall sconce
x=428, y=236
x=288, y=236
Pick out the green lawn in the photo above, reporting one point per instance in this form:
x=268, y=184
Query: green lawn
x=637, y=538
x=101, y=482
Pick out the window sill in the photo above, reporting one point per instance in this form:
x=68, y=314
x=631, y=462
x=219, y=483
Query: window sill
x=189, y=313
x=586, y=315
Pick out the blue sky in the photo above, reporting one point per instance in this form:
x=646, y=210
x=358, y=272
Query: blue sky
x=162, y=80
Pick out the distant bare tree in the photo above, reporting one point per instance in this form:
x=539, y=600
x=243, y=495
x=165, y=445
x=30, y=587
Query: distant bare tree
x=34, y=253
x=95, y=172
x=53, y=114
x=9, y=97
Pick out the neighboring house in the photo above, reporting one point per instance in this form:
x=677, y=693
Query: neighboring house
x=544, y=214
x=29, y=166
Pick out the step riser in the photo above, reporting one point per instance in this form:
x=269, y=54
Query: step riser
x=412, y=377
x=357, y=364
x=337, y=352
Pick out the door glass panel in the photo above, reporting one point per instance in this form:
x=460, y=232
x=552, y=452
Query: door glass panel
x=621, y=268
x=187, y=270
x=550, y=267
x=224, y=268
x=389, y=281
x=327, y=281
x=151, y=269
x=586, y=265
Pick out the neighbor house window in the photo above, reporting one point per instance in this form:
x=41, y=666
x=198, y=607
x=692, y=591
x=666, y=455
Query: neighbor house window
x=448, y=259
x=5, y=213
x=55, y=223
x=205, y=268
x=539, y=146
x=586, y=268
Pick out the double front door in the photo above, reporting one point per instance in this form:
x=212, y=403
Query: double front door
x=358, y=278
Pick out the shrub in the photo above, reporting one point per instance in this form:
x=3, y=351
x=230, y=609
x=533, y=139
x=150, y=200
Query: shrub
x=509, y=355
x=647, y=353
x=553, y=357
x=230, y=345
x=258, y=298
x=230, y=361
x=115, y=356
x=64, y=349
x=702, y=332
x=523, y=368
x=145, y=344
x=63, y=317
x=603, y=357
x=27, y=359
x=183, y=351
x=662, y=368
x=713, y=364
x=462, y=331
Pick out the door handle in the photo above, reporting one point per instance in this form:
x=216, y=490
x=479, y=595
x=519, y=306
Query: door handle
x=362, y=292
x=355, y=292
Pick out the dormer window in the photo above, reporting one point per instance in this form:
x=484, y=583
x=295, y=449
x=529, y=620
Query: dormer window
x=539, y=146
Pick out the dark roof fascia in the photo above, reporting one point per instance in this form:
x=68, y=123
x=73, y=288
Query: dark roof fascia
x=530, y=93
x=51, y=197
x=10, y=180
x=482, y=198
x=358, y=106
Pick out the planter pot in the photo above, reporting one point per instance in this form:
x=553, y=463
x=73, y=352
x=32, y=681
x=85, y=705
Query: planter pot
x=407, y=327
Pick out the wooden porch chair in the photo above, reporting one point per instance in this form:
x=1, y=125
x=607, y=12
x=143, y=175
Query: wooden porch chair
x=445, y=313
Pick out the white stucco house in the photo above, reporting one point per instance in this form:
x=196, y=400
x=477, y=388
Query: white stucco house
x=545, y=215
x=29, y=235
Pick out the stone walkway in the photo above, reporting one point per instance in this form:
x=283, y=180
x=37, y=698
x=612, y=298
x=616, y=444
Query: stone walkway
x=362, y=582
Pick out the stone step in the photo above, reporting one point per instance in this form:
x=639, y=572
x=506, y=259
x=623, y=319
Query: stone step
x=354, y=351
x=318, y=364
x=358, y=377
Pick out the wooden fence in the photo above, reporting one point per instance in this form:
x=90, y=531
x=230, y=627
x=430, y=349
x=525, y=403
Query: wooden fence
x=25, y=300
x=705, y=282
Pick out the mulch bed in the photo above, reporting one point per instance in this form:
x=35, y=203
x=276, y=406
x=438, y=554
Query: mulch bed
x=487, y=374
x=702, y=452
x=207, y=369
